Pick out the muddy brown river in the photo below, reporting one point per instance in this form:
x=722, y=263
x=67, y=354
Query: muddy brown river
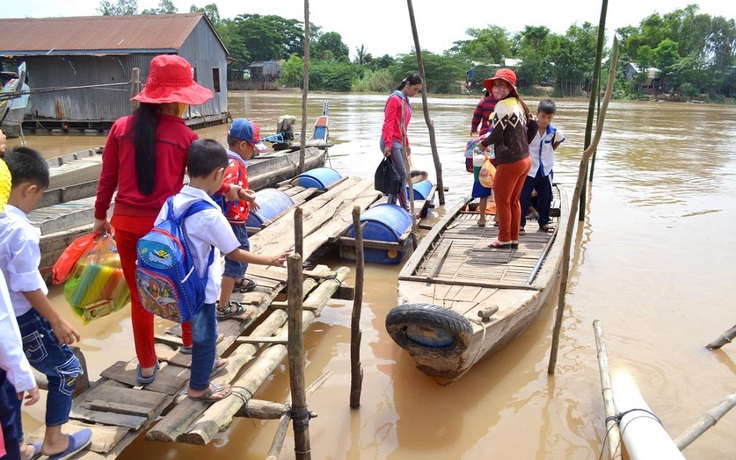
x=653, y=261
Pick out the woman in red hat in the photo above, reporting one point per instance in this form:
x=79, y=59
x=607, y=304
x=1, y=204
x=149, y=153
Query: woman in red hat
x=145, y=158
x=512, y=128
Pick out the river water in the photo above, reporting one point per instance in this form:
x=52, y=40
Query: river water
x=652, y=261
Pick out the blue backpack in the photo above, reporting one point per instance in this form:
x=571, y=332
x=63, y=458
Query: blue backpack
x=166, y=278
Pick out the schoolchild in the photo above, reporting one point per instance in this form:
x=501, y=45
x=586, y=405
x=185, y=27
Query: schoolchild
x=542, y=152
x=45, y=334
x=483, y=111
x=243, y=140
x=207, y=231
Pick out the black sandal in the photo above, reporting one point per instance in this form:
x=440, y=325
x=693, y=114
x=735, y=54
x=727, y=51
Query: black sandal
x=227, y=311
x=244, y=285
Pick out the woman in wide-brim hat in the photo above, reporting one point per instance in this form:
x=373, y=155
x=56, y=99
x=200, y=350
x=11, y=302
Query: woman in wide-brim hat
x=512, y=128
x=145, y=158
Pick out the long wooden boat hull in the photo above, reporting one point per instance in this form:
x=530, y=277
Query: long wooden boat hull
x=460, y=301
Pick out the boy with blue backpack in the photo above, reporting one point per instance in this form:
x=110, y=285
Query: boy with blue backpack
x=243, y=140
x=206, y=234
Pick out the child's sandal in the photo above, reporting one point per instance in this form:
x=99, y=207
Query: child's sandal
x=228, y=312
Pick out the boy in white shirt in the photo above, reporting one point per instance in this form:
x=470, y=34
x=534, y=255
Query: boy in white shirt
x=45, y=333
x=539, y=178
x=207, y=231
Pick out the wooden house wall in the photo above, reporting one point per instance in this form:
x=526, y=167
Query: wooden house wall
x=205, y=52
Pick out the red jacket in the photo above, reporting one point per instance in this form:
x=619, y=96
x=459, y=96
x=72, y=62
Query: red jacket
x=173, y=138
x=392, y=121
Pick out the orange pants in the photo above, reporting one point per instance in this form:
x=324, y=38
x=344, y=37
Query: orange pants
x=142, y=319
x=507, y=185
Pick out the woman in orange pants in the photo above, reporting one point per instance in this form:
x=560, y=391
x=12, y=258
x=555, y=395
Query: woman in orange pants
x=512, y=128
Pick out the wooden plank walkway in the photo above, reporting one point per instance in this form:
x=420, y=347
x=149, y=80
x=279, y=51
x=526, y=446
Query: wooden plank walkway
x=118, y=410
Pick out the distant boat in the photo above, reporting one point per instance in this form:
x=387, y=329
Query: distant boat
x=286, y=139
x=14, y=100
x=460, y=301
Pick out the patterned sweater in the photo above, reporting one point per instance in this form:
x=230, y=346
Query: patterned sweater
x=510, y=132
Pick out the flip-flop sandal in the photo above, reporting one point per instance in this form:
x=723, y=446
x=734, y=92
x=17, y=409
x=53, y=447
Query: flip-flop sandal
x=481, y=224
x=244, y=285
x=77, y=442
x=209, y=395
x=185, y=350
x=496, y=245
x=219, y=364
x=227, y=311
x=37, y=446
x=144, y=380
x=522, y=231
x=546, y=228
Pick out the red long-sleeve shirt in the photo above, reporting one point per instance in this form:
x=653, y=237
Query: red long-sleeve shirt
x=392, y=119
x=173, y=138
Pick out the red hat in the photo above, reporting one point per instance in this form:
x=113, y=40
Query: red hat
x=506, y=75
x=170, y=80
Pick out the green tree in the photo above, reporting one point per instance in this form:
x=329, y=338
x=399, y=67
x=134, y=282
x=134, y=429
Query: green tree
x=213, y=14
x=292, y=71
x=534, y=43
x=164, y=7
x=444, y=73
x=574, y=58
x=384, y=62
x=119, y=8
x=489, y=45
x=329, y=46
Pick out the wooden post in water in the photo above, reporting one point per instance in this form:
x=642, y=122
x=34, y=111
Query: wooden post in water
x=725, y=338
x=356, y=372
x=299, y=411
x=135, y=87
x=593, y=96
x=706, y=421
x=430, y=123
x=613, y=433
x=298, y=231
x=565, y=270
x=305, y=90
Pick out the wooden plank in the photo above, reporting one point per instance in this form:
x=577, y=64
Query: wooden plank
x=264, y=340
x=373, y=244
x=439, y=259
x=118, y=408
x=466, y=282
x=104, y=438
x=123, y=395
x=133, y=422
x=169, y=379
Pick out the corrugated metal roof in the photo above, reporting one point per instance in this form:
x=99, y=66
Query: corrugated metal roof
x=96, y=34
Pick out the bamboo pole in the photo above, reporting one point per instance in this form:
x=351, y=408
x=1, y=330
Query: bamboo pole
x=299, y=412
x=565, y=270
x=706, y=421
x=298, y=232
x=407, y=171
x=593, y=96
x=356, y=371
x=613, y=432
x=724, y=338
x=595, y=154
x=280, y=436
x=430, y=123
x=305, y=90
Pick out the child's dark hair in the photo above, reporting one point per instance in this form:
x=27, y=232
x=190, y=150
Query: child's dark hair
x=27, y=165
x=205, y=156
x=547, y=106
x=411, y=80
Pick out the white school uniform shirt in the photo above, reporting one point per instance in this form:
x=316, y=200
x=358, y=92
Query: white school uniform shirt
x=12, y=358
x=204, y=231
x=20, y=256
x=541, y=151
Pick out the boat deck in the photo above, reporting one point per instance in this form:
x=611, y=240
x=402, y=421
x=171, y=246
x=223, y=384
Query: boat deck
x=460, y=255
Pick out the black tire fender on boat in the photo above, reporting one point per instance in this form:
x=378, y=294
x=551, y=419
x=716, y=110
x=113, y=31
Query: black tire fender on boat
x=453, y=329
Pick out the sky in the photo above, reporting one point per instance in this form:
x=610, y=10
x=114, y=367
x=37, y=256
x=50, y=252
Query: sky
x=384, y=27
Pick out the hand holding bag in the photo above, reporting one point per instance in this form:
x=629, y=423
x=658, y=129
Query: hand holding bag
x=387, y=178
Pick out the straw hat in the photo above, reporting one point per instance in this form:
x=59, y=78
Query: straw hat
x=170, y=80
x=506, y=75
x=5, y=184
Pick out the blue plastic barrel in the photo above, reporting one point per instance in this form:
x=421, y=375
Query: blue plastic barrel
x=272, y=202
x=387, y=223
x=421, y=190
x=319, y=178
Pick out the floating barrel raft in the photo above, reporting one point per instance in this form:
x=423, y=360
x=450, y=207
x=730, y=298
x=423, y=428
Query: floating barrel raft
x=386, y=228
x=272, y=204
x=319, y=178
x=423, y=190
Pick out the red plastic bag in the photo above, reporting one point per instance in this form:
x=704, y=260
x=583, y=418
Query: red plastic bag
x=70, y=256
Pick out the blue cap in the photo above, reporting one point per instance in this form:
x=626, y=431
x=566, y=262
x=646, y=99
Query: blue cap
x=248, y=131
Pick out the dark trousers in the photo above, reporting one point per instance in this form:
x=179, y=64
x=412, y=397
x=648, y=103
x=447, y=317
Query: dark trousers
x=543, y=186
x=8, y=408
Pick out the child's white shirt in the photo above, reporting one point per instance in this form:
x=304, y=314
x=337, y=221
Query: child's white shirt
x=12, y=358
x=20, y=256
x=206, y=230
x=541, y=151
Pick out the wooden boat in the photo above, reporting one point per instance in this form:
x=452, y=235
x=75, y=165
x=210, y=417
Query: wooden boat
x=460, y=301
x=13, y=103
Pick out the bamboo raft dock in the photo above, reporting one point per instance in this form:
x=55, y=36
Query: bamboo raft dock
x=118, y=409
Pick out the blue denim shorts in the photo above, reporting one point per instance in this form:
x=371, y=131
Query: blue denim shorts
x=235, y=269
x=56, y=361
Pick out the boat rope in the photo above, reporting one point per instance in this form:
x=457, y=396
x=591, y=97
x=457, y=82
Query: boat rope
x=301, y=418
x=244, y=400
